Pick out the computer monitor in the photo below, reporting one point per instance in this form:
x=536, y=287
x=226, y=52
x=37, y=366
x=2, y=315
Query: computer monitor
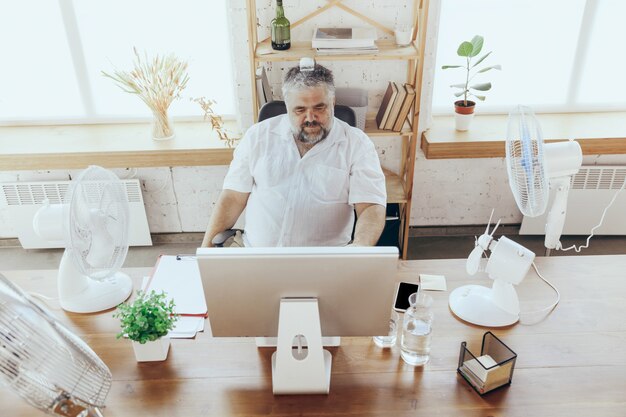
x=311, y=291
x=354, y=287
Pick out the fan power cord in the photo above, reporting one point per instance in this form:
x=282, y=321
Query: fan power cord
x=586, y=245
x=551, y=306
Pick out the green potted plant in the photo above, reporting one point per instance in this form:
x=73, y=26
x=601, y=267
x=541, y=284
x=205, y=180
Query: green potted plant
x=147, y=321
x=464, y=109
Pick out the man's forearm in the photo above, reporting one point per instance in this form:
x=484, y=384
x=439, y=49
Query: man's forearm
x=369, y=225
x=227, y=210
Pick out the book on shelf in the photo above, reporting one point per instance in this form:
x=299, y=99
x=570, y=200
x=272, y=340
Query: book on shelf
x=346, y=51
x=358, y=37
x=385, y=106
x=406, y=107
x=395, y=107
x=263, y=88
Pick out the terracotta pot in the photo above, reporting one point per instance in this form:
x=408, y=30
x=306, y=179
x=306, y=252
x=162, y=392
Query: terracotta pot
x=463, y=114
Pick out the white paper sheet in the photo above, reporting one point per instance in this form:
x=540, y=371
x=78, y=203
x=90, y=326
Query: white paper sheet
x=180, y=279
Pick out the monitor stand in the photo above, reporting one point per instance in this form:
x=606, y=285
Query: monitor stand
x=327, y=341
x=300, y=370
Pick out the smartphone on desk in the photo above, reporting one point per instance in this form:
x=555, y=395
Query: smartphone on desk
x=404, y=290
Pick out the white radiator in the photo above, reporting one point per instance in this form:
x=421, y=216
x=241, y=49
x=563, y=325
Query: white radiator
x=23, y=199
x=591, y=191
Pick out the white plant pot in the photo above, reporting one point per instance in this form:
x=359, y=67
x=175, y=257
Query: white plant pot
x=152, y=351
x=463, y=121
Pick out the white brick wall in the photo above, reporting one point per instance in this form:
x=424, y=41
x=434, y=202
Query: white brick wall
x=446, y=192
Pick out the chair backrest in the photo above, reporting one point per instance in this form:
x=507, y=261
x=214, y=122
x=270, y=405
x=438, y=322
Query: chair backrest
x=276, y=108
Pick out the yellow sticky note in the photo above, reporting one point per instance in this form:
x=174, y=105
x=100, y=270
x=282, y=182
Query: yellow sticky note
x=433, y=282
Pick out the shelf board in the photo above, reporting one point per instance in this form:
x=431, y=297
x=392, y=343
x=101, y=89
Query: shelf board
x=372, y=130
x=387, y=51
x=124, y=146
x=395, y=187
x=111, y=146
x=600, y=133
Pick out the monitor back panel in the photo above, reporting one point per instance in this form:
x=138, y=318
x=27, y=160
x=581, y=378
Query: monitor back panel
x=243, y=288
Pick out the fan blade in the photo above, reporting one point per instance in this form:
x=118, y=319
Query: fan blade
x=102, y=246
x=473, y=260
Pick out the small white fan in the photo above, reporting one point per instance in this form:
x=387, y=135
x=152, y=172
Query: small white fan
x=46, y=364
x=94, y=223
x=533, y=166
x=507, y=266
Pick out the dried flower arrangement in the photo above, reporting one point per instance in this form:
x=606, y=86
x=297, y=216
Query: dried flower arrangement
x=157, y=82
x=217, y=124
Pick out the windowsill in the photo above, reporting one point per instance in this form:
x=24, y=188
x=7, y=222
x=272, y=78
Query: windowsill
x=598, y=134
x=126, y=146
x=111, y=146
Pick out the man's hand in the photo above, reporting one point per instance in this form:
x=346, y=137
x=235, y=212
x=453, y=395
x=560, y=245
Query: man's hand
x=227, y=210
x=369, y=224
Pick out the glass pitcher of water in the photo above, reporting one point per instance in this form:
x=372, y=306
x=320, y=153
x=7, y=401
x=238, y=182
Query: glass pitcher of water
x=417, y=330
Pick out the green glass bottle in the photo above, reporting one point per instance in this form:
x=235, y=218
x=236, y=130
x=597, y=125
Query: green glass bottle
x=281, y=33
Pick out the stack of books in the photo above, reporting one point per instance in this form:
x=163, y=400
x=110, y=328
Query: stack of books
x=263, y=88
x=344, y=40
x=395, y=107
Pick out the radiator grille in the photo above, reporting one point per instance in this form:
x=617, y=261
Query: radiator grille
x=599, y=178
x=32, y=193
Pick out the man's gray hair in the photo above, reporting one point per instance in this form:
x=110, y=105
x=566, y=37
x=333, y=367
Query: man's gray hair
x=319, y=76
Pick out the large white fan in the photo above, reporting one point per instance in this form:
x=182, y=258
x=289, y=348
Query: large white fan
x=46, y=364
x=93, y=220
x=533, y=166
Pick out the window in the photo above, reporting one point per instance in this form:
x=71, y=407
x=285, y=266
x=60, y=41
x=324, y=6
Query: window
x=54, y=52
x=556, y=56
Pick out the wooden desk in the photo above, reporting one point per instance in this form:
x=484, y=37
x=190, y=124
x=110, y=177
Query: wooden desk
x=571, y=363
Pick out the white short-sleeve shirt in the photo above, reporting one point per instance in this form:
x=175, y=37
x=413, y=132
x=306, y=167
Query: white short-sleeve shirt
x=304, y=201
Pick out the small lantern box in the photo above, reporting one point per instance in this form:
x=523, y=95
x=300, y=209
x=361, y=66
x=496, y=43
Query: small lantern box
x=492, y=369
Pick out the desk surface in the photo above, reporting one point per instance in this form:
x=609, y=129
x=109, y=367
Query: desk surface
x=573, y=362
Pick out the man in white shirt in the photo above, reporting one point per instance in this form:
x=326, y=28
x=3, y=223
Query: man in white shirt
x=300, y=176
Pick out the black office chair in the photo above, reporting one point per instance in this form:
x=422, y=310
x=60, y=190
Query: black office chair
x=273, y=109
x=276, y=108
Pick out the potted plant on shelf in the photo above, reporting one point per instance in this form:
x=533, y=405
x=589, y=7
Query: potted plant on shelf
x=464, y=109
x=147, y=321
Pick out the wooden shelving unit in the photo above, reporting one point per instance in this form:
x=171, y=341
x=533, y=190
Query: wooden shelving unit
x=399, y=184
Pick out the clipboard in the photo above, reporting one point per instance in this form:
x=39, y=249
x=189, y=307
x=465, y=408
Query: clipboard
x=179, y=277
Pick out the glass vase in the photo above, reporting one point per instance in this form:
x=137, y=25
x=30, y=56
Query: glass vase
x=162, y=126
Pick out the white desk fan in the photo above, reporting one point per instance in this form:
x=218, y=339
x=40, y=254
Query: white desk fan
x=46, y=364
x=532, y=167
x=507, y=266
x=94, y=223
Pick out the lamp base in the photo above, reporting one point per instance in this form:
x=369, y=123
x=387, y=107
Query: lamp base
x=474, y=304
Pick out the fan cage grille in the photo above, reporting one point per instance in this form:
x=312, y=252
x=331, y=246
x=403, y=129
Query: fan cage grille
x=40, y=358
x=97, y=195
x=524, y=158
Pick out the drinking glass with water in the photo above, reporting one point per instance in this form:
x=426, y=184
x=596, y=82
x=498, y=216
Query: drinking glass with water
x=389, y=340
x=417, y=330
